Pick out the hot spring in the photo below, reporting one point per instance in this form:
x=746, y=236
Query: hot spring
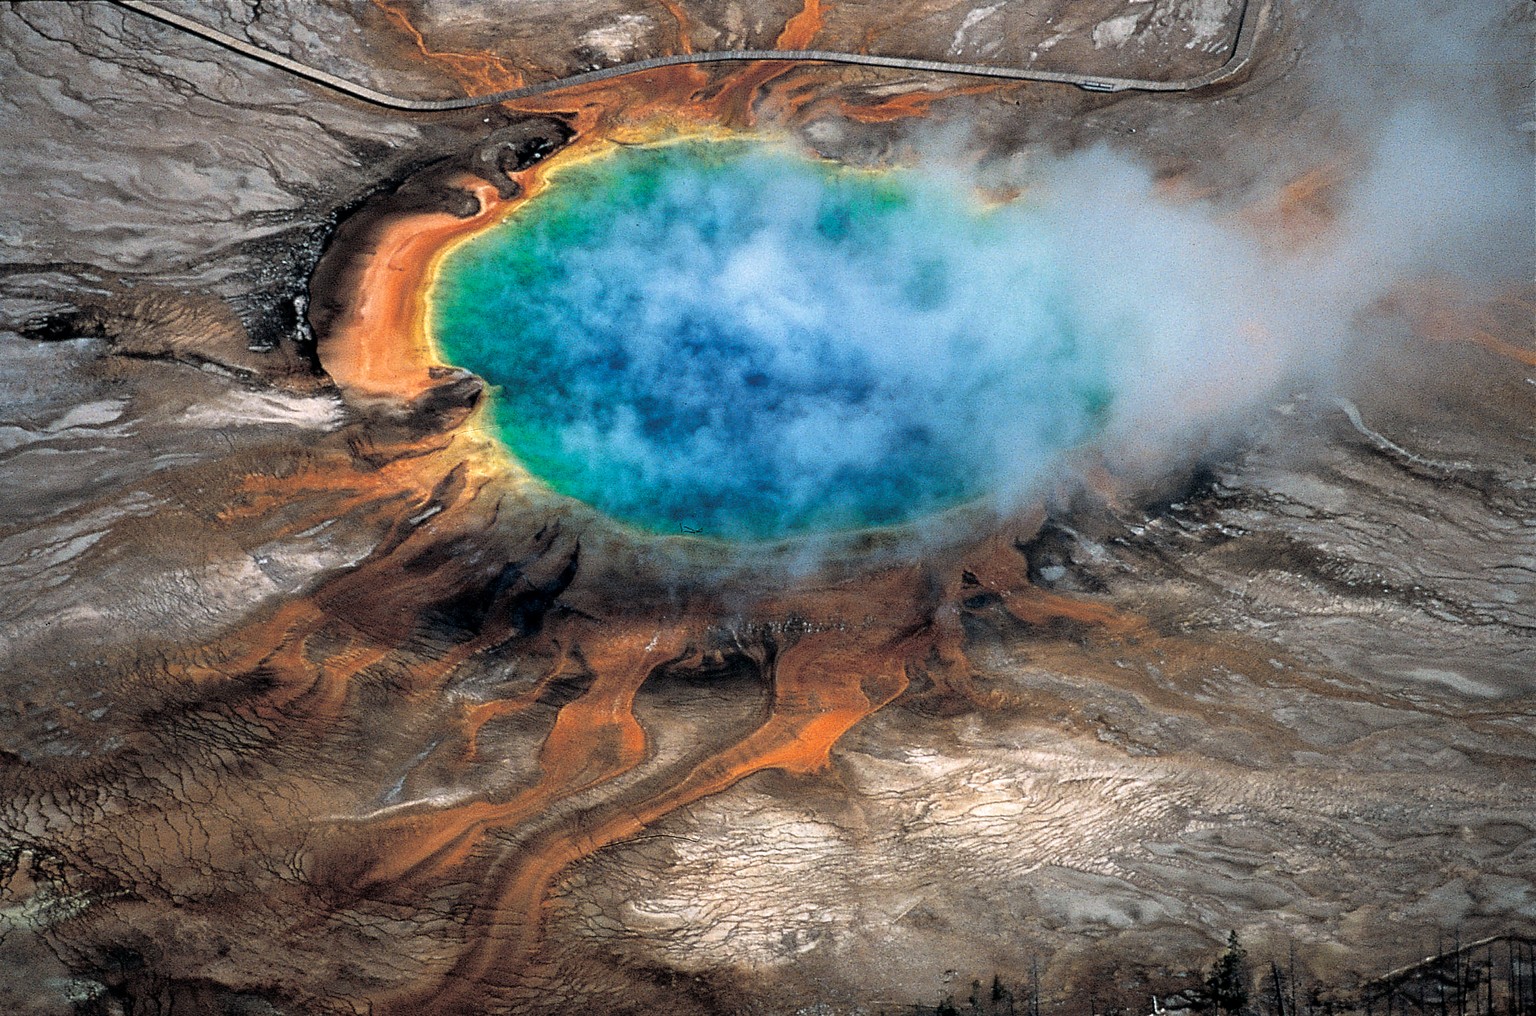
x=733, y=339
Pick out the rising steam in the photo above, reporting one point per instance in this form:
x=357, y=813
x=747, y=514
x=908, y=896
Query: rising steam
x=1434, y=182
x=733, y=339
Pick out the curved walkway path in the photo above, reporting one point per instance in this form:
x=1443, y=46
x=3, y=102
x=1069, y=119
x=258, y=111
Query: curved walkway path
x=1242, y=52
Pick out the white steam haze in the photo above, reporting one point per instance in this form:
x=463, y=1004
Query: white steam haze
x=1437, y=182
x=732, y=338
x=708, y=356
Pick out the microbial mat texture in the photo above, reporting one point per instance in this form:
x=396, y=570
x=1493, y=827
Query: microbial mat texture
x=731, y=338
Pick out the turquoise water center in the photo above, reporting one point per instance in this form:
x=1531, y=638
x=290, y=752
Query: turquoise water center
x=734, y=339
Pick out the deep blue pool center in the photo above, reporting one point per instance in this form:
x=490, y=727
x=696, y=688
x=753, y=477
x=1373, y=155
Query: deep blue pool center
x=733, y=339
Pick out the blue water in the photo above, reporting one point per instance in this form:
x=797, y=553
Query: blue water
x=736, y=340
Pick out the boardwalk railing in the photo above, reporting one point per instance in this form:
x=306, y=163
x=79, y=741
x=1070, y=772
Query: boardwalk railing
x=1242, y=52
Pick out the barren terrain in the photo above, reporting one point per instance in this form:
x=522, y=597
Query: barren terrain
x=311, y=701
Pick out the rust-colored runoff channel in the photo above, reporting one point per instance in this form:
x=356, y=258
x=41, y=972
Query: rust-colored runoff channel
x=859, y=643
x=792, y=48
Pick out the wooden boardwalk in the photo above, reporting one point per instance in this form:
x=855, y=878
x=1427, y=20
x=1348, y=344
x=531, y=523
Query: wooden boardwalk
x=1243, y=46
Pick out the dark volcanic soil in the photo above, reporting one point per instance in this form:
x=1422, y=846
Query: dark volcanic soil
x=311, y=705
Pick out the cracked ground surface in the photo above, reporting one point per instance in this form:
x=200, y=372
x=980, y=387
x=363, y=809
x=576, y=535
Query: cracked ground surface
x=307, y=708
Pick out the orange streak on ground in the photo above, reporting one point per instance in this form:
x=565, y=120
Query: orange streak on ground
x=823, y=686
x=684, y=32
x=320, y=699
x=1447, y=311
x=275, y=650
x=479, y=72
x=610, y=109
x=1441, y=310
x=478, y=715
x=263, y=496
x=734, y=102
x=1492, y=343
x=591, y=106
x=1039, y=606
x=1303, y=211
x=803, y=27
x=293, y=621
x=1314, y=187
x=595, y=739
x=1178, y=189
x=910, y=104
x=379, y=344
x=997, y=568
x=299, y=688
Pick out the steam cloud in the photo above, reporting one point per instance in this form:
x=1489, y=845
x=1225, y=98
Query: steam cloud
x=1436, y=182
x=740, y=352
x=732, y=338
